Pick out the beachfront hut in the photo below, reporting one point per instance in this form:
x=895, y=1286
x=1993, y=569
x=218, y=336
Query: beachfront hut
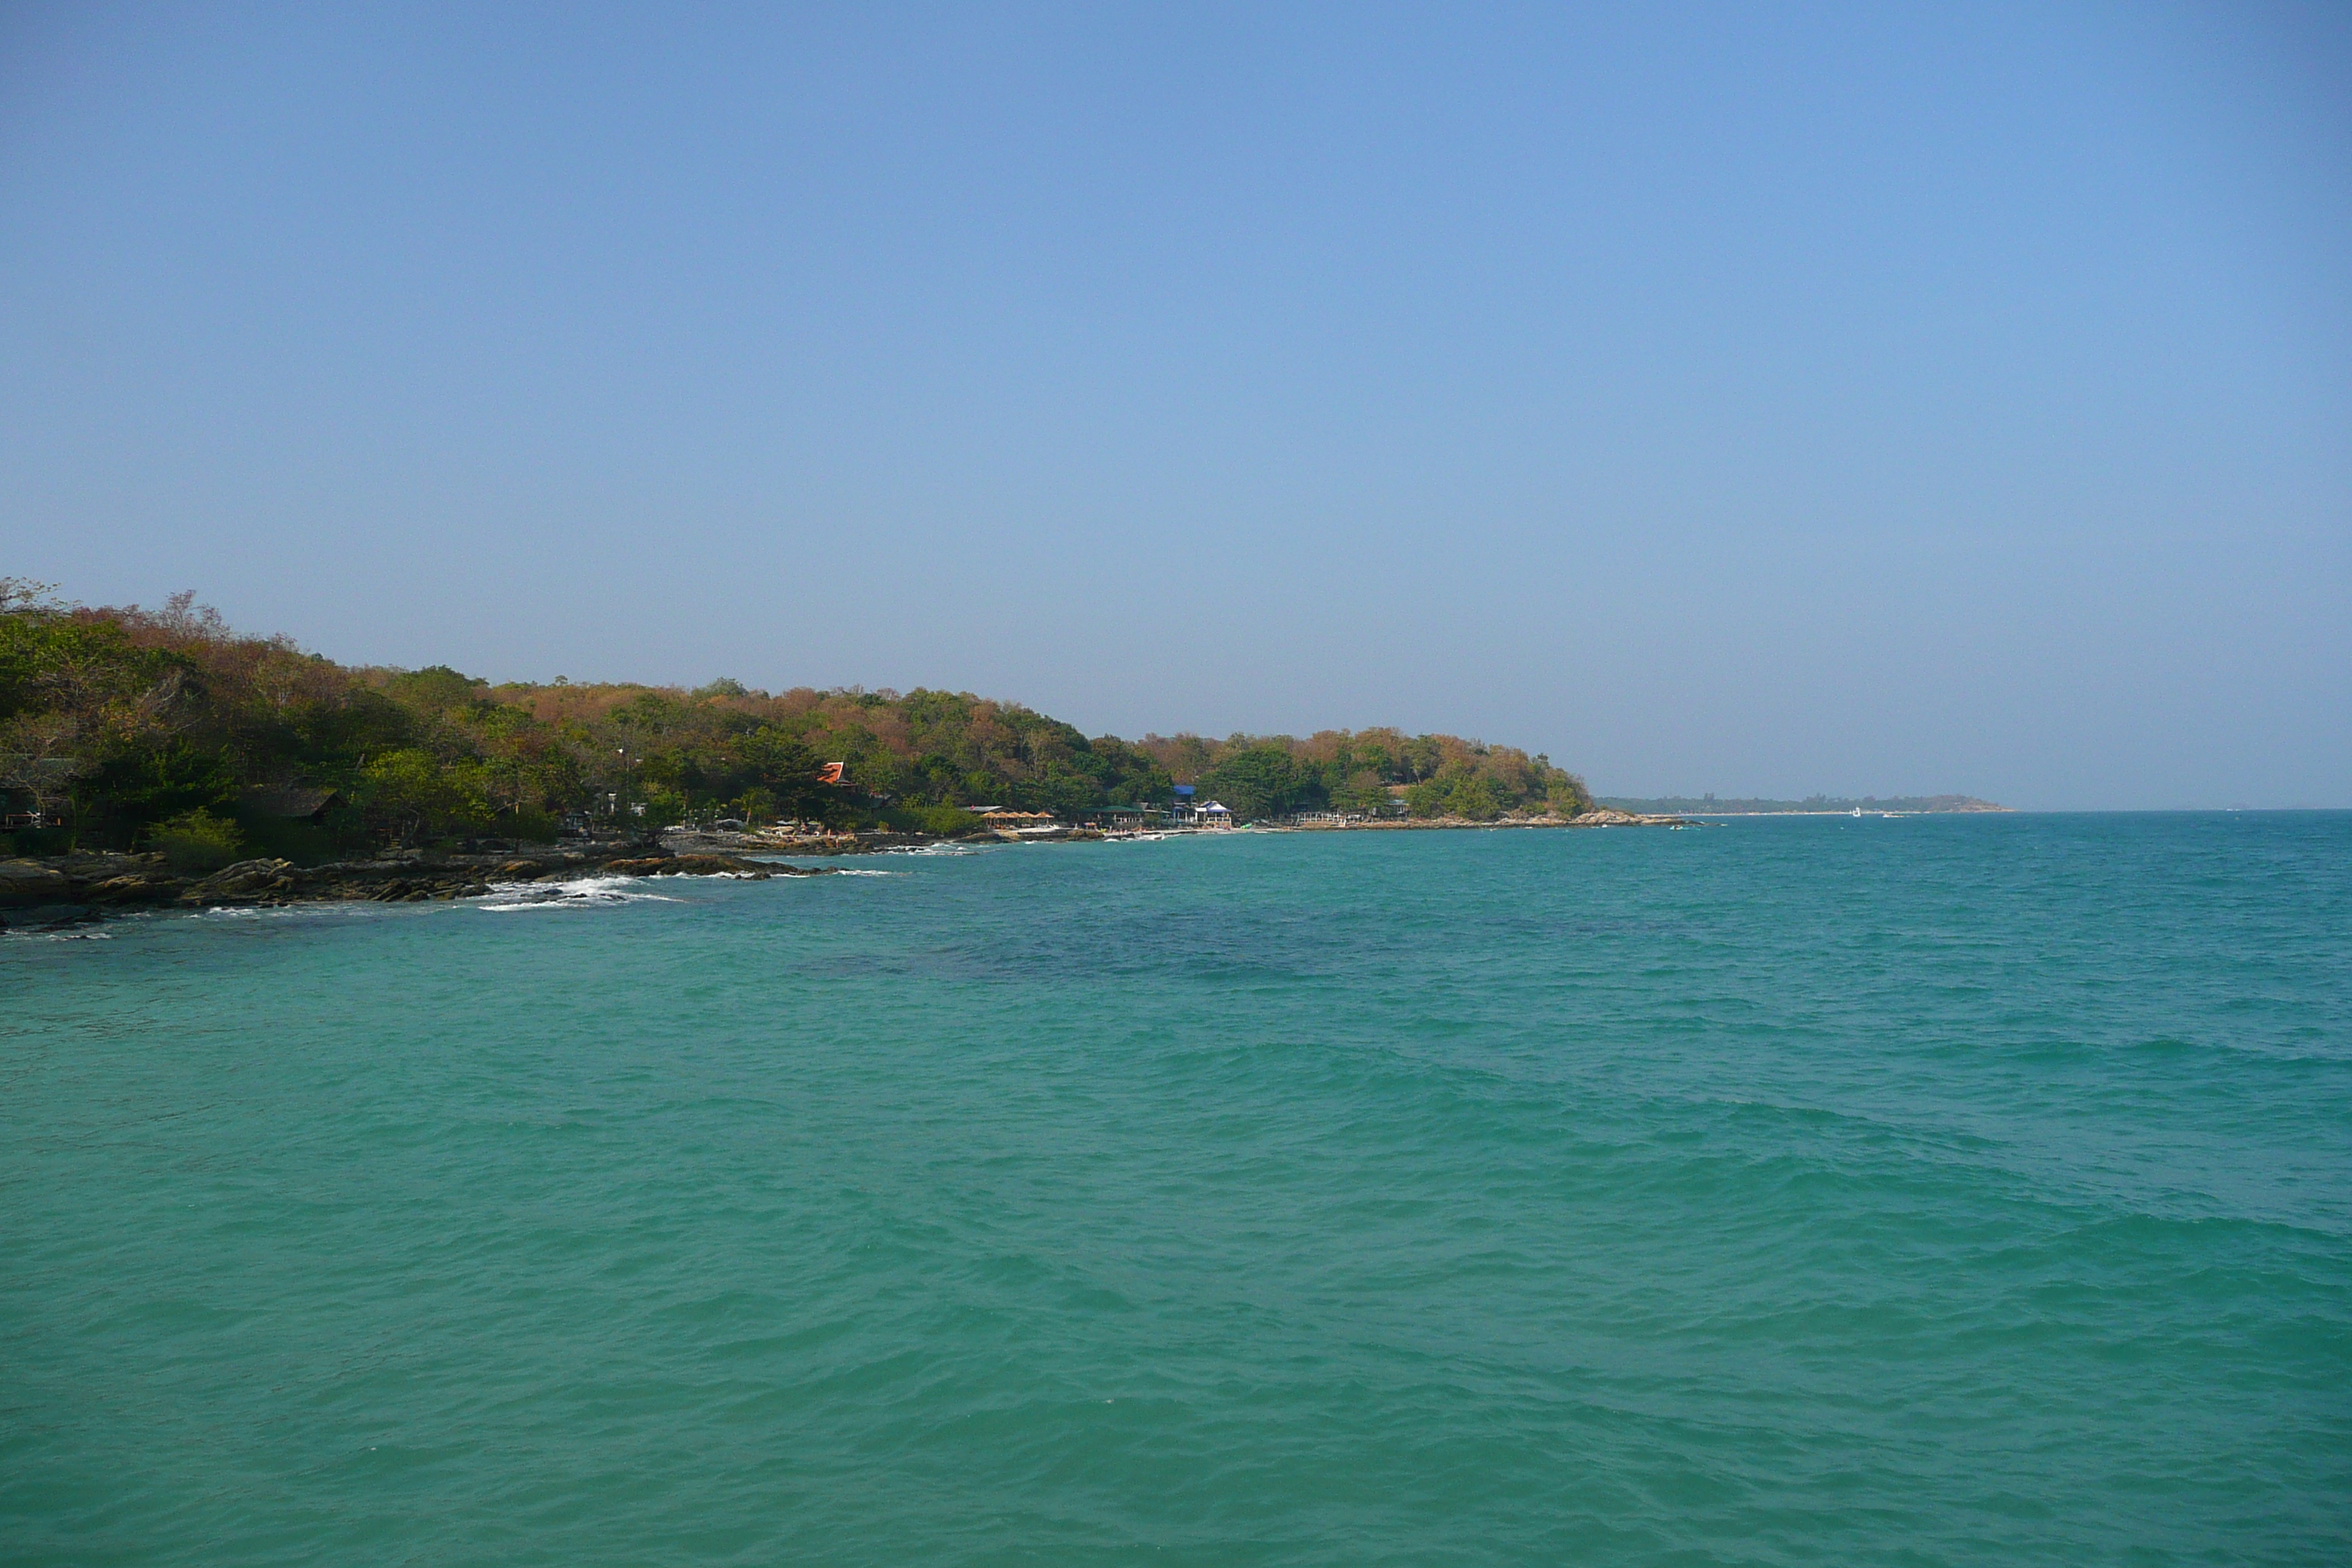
x=1001, y=820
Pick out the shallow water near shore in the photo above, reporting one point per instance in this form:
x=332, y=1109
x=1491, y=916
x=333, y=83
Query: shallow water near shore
x=1938, y=1190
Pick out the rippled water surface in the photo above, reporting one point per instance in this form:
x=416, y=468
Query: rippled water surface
x=1922, y=1191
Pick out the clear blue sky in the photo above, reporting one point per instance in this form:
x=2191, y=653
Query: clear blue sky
x=1856, y=398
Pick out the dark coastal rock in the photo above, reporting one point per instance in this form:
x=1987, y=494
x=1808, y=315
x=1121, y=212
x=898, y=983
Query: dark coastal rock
x=135, y=888
x=702, y=866
x=705, y=865
x=110, y=883
x=47, y=917
x=401, y=890
x=246, y=882
x=87, y=865
x=249, y=874
x=29, y=882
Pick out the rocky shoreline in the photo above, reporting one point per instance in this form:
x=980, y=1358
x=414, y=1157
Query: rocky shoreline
x=867, y=841
x=53, y=892
x=57, y=890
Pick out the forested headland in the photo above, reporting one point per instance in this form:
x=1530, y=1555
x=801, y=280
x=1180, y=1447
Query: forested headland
x=127, y=728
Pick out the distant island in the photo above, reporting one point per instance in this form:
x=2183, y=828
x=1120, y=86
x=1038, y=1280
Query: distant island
x=1736, y=806
x=164, y=733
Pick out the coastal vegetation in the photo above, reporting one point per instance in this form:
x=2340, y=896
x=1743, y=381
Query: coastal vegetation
x=1364, y=771
x=165, y=730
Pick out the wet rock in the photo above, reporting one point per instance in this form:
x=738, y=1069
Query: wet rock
x=120, y=881
x=130, y=890
x=29, y=881
x=247, y=877
x=701, y=866
x=47, y=917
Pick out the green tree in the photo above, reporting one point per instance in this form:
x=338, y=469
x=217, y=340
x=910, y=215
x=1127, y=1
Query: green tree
x=415, y=797
x=1426, y=798
x=1567, y=796
x=1473, y=797
x=435, y=688
x=197, y=841
x=1361, y=790
x=1256, y=781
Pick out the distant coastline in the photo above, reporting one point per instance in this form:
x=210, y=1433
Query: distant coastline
x=1814, y=805
x=126, y=730
x=158, y=757
x=55, y=891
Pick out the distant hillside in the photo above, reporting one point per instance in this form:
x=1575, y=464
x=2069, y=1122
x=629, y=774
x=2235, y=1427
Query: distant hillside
x=125, y=727
x=1705, y=804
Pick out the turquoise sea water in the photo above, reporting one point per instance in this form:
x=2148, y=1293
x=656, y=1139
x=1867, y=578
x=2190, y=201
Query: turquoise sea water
x=1924, y=1191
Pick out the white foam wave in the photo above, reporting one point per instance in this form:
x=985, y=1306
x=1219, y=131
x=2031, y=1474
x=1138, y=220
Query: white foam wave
x=586, y=893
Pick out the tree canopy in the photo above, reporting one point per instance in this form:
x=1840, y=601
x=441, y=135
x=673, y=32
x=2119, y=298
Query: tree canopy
x=128, y=726
x=1366, y=769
